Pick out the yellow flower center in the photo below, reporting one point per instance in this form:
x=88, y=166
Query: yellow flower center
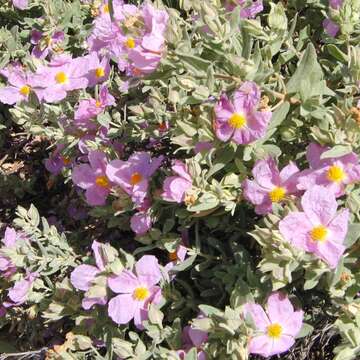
x=141, y=293
x=274, y=331
x=66, y=160
x=237, y=120
x=61, y=77
x=336, y=174
x=100, y=72
x=102, y=181
x=130, y=43
x=25, y=90
x=48, y=40
x=135, y=178
x=98, y=103
x=173, y=256
x=277, y=194
x=106, y=9
x=319, y=233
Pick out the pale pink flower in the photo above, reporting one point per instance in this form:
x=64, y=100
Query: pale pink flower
x=332, y=173
x=275, y=330
x=137, y=291
x=134, y=174
x=93, y=179
x=239, y=120
x=175, y=187
x=84, y=275
x=270, y=185
x=318, y=229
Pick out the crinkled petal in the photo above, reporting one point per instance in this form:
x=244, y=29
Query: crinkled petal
x=148, y=270
x=122, y=308
x=83, y=275
x=125, y=282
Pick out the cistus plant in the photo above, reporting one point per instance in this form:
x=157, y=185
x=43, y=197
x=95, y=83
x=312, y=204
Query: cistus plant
x=180, y=179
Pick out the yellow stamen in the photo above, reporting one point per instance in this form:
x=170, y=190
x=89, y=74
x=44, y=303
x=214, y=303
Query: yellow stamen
x=336, y=174
x=135, y=178
x=61, y=77
x=25, y=90
x=98, y=103
x=319, y=233
x=66, y=160
x=106, y=9
x=141, y=293
x=237, y=121
x=130, y=43
x=100, y=72
x=102, y=181
x=173, y=256
x=277, y=194
x=274, y=331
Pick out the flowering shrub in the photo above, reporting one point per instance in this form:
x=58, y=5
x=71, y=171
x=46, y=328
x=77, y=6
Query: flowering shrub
x=180, y=179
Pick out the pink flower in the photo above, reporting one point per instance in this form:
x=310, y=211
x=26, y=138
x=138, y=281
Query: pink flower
x=192, y=337
x=175, y=187
x=203, y=146
x=335, y=4
x=93, y=178
x=44, y=44
x=275, y=330
x=99, y=69
x=332, y=173
x=239, y=120
x=247, y=12
x=20, y=4
x=135, y=38
x=176, y=257
x=270, y=185
x=319, y=229
x=137, y=290
x=19, y=87
x=56, y=162
x=133, y=175
x=331, y=27
x=84, y=275
x=63, y=74
x=141, y=223
x=88, y=109
x=7, y=268
x=18, y=294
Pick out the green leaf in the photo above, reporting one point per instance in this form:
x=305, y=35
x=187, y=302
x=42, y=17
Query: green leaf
x=336, y=151
x=305, y=330
x=307, y=70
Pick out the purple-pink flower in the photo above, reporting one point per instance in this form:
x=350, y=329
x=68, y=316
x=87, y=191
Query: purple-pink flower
x=88, y=109
x=20, y=4
x=45, y=44
x=56, y=162
x=137, y=290
x=92, y=177
x=7, y=268
x=175, y=187
x=99, y=69
x=270, y=185
x=332, y=173
x=318, y=229
x=331, y=27
x=247, y=11
x=83, y=276
x=133, y=175
x=238, y=120
x=19, y=86
x=135, y=38
x=62, y=75
x=192, y=337
x=18, y=294
x=276, y=329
